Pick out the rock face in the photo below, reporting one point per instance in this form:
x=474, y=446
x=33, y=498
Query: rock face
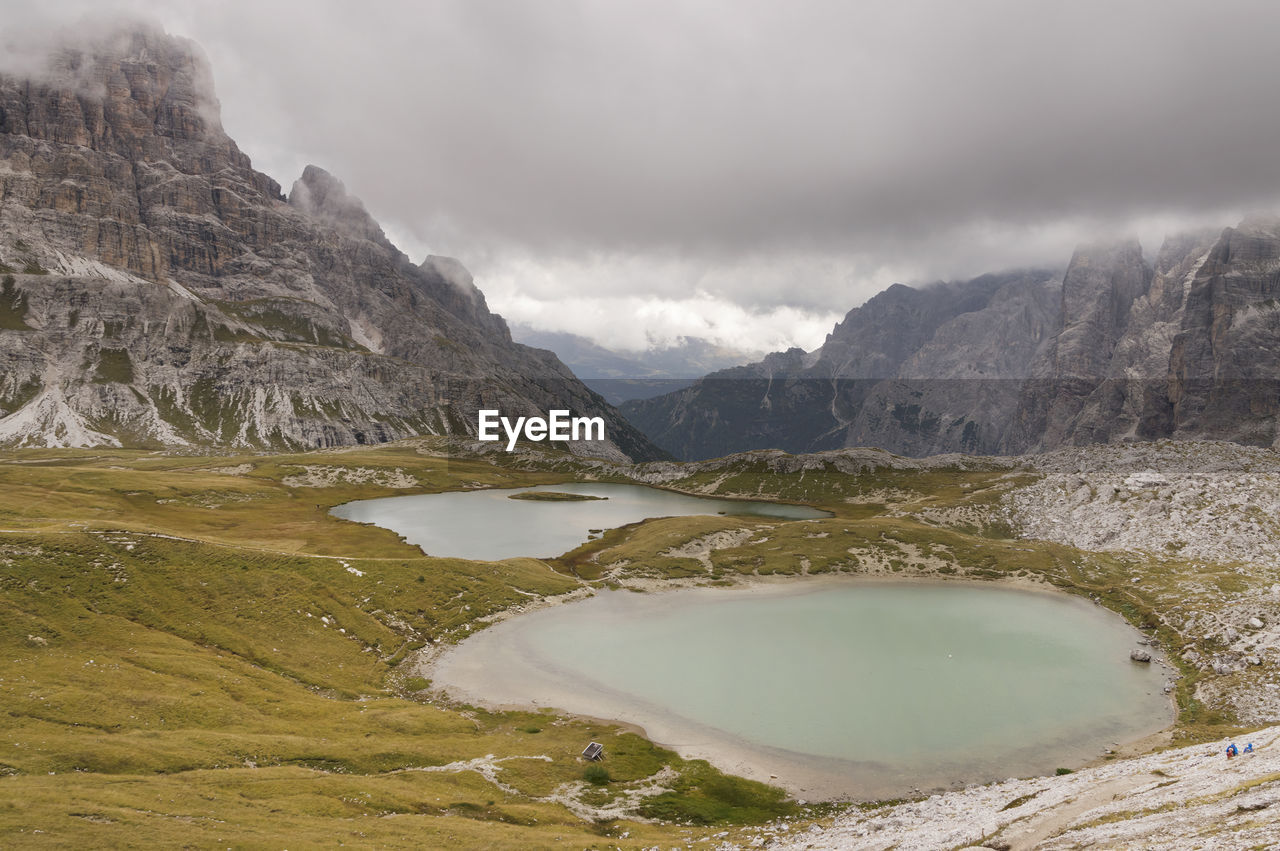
x=1226, y=357
x=1113, y=349
x=159, y=291
x=916, y=371
x=1098, y=292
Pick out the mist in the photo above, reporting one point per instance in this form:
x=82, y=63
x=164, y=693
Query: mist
x=742, y=168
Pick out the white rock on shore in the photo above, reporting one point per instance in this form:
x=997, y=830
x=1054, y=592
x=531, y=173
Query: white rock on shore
x=1191, y=797
x=1212, y=501
x=1203, y=521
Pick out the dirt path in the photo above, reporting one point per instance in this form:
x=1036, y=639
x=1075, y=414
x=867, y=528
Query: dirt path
x=1028, y=834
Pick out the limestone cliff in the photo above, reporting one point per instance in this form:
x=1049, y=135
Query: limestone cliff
x=1225, y=358
x=157, y=290
x=1112, y=349
x=917, y=371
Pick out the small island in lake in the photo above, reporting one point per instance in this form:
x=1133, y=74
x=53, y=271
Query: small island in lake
x=554, y=496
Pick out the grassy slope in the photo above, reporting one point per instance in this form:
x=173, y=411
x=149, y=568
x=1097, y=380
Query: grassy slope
x=240, y=686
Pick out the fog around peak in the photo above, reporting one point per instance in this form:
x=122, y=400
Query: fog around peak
x=746, y=167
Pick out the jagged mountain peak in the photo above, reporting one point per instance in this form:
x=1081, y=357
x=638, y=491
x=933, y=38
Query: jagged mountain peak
x=86, y=59
x=1261, y=224
x=318, y=193
x=138, y=93
x=452, y=271
x=157, y=291
x=1177, y=246
x=1113, y=349
x=1103, y=280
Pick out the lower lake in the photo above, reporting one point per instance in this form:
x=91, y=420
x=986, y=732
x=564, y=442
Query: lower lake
x=836, y=688
x=489, y=525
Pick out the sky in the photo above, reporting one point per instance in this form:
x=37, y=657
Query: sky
x=745, y=171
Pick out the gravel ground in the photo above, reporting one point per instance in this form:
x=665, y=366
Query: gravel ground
x=1213, y=501
x=1191, y=797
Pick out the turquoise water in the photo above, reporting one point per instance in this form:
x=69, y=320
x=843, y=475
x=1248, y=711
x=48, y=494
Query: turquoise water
x=856, y=688
x=486, y=525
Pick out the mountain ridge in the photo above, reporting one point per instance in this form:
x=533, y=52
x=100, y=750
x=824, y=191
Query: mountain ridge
x=158, y=291
x=1111, y=348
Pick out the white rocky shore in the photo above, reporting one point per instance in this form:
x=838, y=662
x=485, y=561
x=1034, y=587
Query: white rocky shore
x=1212, y=501
x=1191, y=797
x=1202, y=521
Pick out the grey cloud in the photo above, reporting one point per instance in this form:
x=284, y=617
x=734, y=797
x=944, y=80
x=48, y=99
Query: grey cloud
x=931, y=138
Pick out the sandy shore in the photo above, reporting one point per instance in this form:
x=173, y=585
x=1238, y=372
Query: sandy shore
x=495, y=669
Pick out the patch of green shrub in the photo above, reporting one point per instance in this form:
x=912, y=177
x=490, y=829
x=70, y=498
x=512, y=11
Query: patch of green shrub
x=702, y=795
x=596, y=775
x=13, y=306
x=114, y=367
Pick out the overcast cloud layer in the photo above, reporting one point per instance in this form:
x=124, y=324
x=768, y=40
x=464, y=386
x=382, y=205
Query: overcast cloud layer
x=733, y=168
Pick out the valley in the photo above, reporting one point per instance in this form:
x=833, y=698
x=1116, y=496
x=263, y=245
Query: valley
x=196, y=649
x=264, y=477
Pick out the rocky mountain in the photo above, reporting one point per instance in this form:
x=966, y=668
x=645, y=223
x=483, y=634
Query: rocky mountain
x=867, y=384
x=619, y=376
x=158, y=291
x=1114, y=348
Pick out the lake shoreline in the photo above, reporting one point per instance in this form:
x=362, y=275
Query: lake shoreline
x=482, y=525
x=804, y=776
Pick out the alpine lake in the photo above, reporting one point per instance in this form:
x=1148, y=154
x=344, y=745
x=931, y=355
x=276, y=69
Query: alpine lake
x=833, y=687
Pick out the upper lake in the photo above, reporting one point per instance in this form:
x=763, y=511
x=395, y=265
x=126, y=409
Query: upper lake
x=488, y=525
